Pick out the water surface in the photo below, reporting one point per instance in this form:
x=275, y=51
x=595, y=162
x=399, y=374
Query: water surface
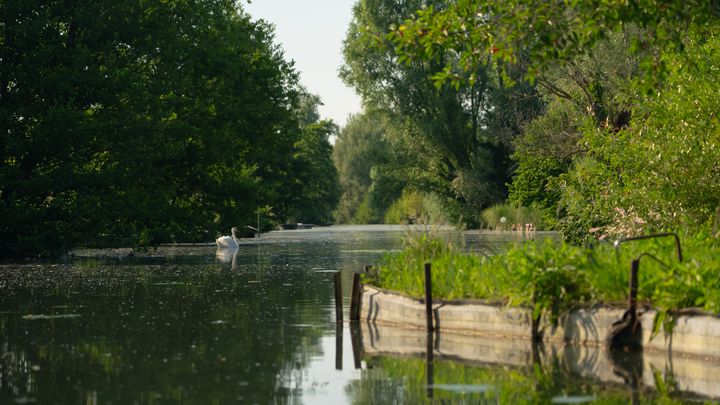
x=185, y=325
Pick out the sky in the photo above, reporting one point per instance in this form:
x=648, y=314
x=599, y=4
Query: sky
x=311, y=33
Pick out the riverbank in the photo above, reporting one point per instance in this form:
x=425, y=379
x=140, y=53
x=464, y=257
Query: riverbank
x=694, y=334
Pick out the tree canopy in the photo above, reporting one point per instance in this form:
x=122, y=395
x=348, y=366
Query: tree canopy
x=457, y=137
x=602, y=105
x=140, y=123
x=545, y=32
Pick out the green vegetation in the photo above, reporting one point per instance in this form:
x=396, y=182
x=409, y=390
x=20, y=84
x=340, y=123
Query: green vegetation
x=599, y=116
x=136, y=123
x=514, y=217
x=363, y=157
x=551, y=277
x=132, y=123
x=608, y=113
x=538, y=383
x=449, y=141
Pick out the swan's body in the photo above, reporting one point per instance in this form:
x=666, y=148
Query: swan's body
x=228, y=242
x=227, y=256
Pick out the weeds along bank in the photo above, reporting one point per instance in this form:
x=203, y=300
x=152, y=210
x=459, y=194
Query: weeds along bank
x=551, y=277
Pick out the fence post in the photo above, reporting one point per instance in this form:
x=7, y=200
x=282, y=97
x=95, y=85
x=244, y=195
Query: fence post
x=428, y=297
x=632, y=297
x=338, y=297
x=429, y=368
x=355, y=298
x=339, y=346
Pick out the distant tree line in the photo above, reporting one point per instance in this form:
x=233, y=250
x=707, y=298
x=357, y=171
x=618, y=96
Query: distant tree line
x=136, y=123
x=446, y=147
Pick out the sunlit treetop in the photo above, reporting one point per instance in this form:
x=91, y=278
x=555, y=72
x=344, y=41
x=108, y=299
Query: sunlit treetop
x=542, y=32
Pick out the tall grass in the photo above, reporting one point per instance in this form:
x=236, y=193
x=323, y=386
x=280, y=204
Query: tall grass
x=551, y=276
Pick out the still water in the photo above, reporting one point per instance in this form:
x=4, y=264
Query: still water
x=183, y=325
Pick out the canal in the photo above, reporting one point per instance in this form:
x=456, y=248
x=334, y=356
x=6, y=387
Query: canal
x=184, y=325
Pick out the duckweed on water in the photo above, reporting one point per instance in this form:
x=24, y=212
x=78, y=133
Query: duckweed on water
x=551, y=276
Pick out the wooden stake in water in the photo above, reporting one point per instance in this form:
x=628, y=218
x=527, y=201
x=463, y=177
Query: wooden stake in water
x=429, y=337
x=428, y=298
x=338, y=297
x=355, y=297
x=356, y=341
x=339, y=346
x=429, y=369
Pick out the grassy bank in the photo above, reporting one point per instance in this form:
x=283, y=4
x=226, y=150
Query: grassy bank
x=551, y=276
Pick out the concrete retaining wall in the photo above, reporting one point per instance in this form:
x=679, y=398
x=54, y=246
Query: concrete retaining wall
x=694, y=334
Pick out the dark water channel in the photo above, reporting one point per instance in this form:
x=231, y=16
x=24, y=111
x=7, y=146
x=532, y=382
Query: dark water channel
x=185, y=326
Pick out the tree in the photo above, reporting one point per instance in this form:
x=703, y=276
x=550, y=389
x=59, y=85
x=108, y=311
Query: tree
x=139, y=123
x=545, y=32
x=660, y=172
x=311, y=192
x=458, y=150
x=362, y=155
x=590, y=91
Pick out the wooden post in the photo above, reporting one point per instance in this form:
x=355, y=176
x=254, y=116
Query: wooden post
x=535, y=334
x=428, y=298
x=356, y=340
x=429, y=369
x=632, y=297
x=339, y=346
x=338, y=297
x=355, y=298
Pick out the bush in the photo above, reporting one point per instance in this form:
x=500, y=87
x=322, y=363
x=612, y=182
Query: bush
x=661, y=172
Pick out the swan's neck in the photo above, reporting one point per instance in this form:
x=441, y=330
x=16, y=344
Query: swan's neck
x=233, y=235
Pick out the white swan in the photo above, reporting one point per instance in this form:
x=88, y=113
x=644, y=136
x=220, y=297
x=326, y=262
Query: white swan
x=227, y=256
x=228, y=242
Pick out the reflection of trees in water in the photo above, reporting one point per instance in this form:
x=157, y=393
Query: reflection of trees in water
x=403, y=380
x=179, y=328
x=195, y=333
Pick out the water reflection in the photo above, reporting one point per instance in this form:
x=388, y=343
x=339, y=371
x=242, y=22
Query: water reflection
x=187, y=325
x=465, y=369
x=175, y=325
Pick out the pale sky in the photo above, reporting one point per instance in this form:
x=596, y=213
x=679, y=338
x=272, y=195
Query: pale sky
x=311, y=33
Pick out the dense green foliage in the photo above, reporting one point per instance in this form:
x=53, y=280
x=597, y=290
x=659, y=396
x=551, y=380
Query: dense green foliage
x=375, y=178
x=660, y=172
x=363, y=158
x=449, y=141
x=140, y=123
x=627, y=138
x=551, y=277
x=544, y=32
